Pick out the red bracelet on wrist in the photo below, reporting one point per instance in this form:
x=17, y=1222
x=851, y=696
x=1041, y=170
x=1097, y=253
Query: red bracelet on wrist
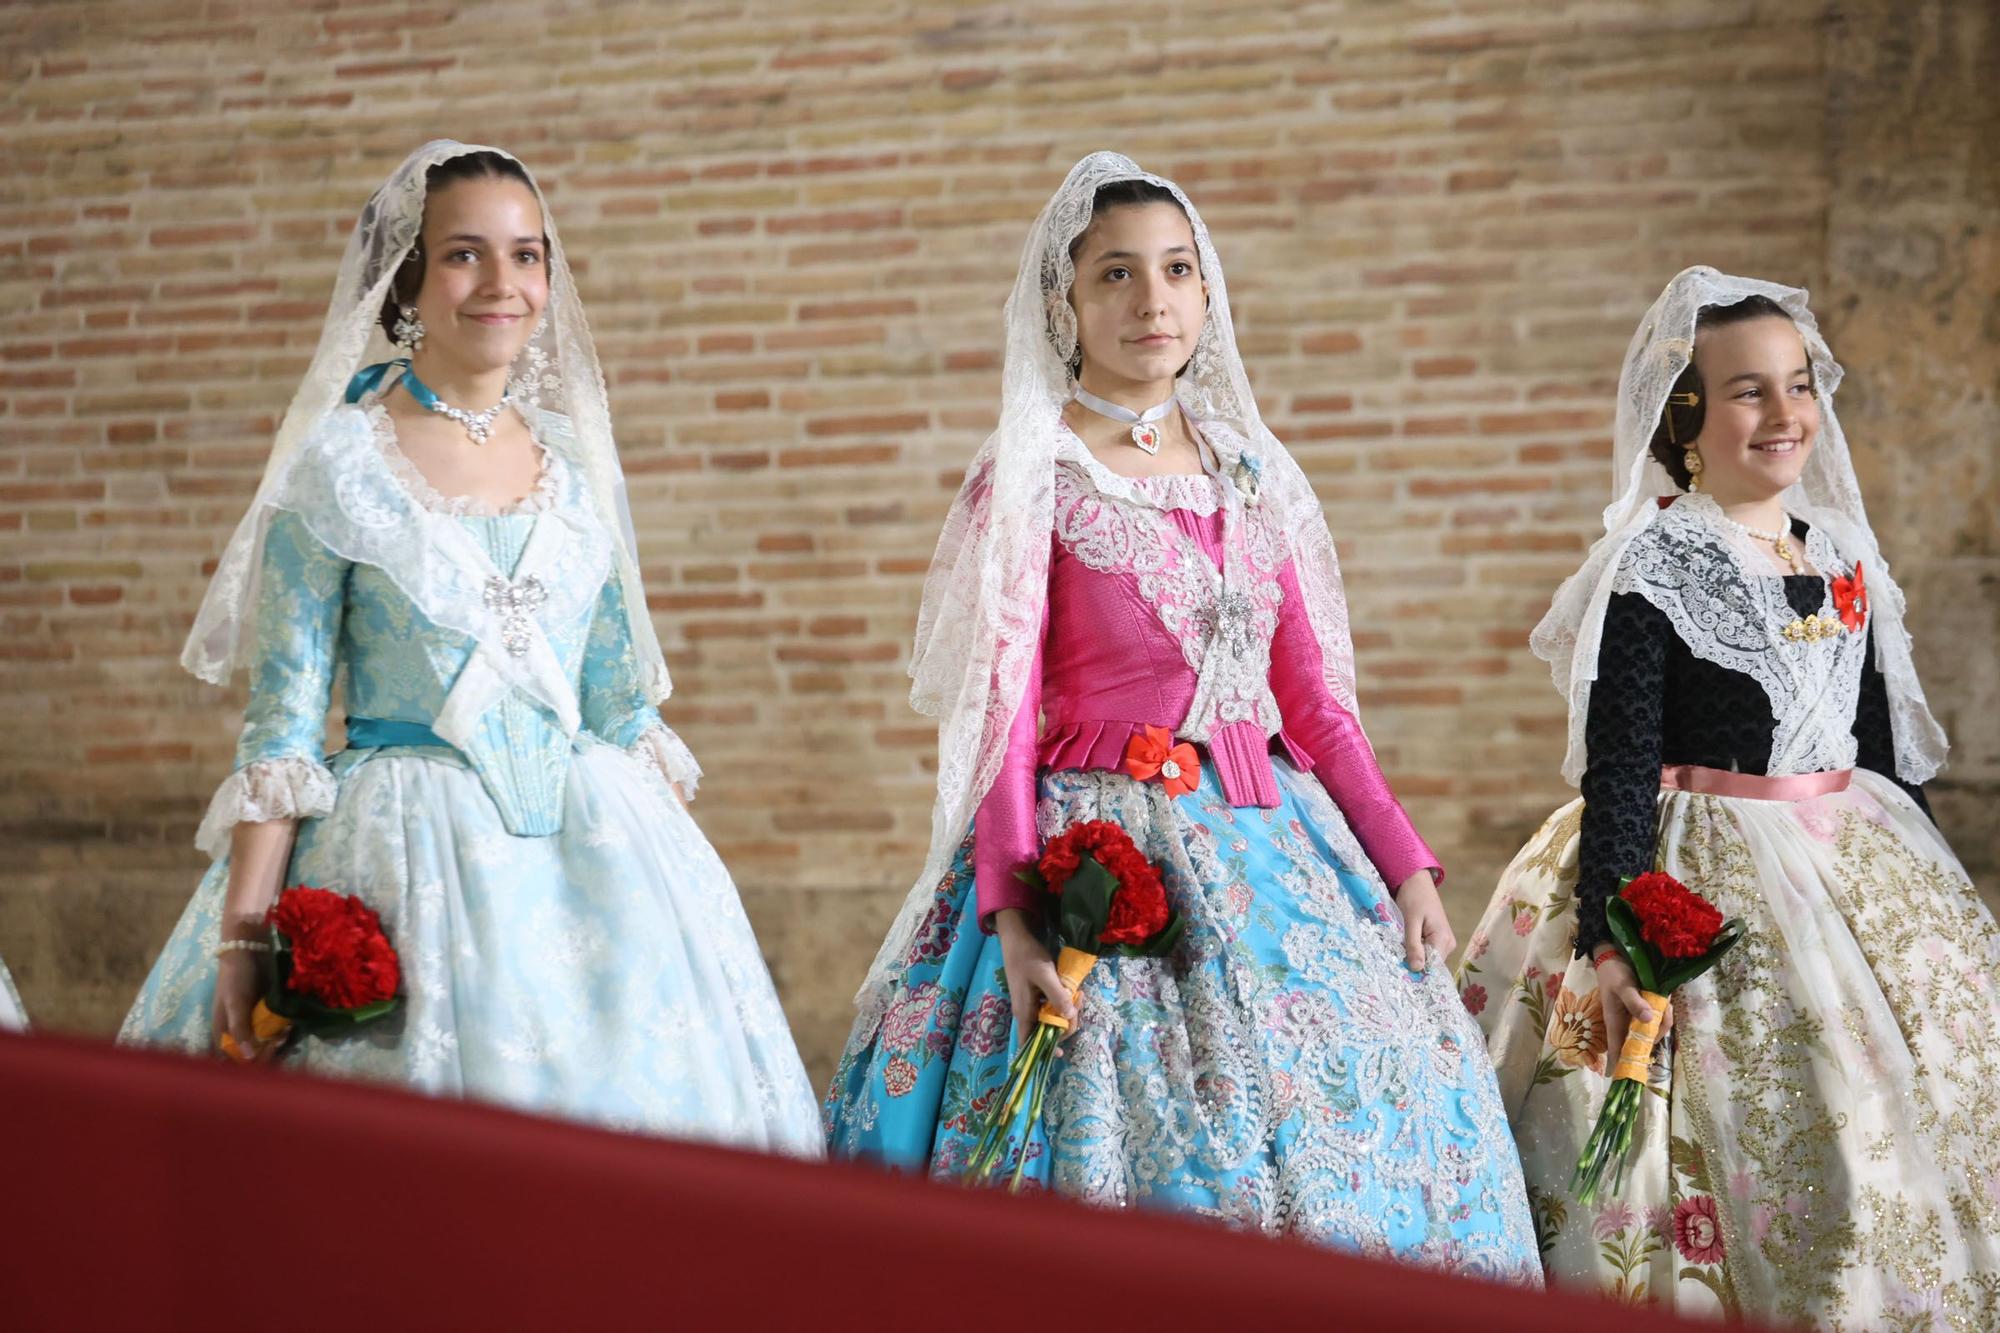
x=1602, y=952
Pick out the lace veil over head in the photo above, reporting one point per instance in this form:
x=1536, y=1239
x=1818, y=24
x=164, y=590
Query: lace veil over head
x=984, y=598
x=557, y=378
x=1826, y=495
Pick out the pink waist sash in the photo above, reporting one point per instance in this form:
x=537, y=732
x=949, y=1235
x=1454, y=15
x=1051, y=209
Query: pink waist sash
x=1754, y=786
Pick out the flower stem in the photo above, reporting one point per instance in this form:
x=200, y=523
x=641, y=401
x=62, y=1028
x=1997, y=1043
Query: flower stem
x=1045, y=1058
x=1609, y=1143
x=988, y=1152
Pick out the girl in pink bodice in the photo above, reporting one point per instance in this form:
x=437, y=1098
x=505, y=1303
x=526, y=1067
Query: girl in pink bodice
x=1135, y=615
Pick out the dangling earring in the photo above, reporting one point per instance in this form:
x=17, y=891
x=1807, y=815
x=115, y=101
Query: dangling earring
x=1692, y=462
x=1197, y=362
x=409, y=333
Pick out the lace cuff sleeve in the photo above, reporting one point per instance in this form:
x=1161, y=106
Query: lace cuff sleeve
x=659, y=749
x=265, y=790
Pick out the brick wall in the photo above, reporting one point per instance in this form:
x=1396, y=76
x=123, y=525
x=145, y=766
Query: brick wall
x=794, y=224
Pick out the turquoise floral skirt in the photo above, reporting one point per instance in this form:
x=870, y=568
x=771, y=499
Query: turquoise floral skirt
x=1283, y=1071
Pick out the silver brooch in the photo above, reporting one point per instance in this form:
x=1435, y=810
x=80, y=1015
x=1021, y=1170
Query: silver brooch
x=1226, y=621
x=514, y=603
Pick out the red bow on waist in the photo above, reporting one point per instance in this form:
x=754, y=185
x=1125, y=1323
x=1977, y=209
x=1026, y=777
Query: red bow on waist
x=1850, y=598
x=1153, y=752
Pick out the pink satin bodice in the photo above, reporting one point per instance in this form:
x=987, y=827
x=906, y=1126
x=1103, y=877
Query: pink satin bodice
x=1108, y=667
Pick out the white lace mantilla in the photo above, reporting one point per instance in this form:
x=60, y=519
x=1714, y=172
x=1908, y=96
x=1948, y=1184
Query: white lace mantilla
x=262, y=791
x=1224, y=620
x=1700, y=574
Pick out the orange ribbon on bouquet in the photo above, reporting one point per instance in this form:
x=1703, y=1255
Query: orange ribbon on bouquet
x=265, y=1026
x=1635, y=1058
x=1152, y=752
x=1072, y=965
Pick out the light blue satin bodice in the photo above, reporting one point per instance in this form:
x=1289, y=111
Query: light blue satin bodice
x=322, y=618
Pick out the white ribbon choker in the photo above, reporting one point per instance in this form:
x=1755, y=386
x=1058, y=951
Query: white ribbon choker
x=1145, y=425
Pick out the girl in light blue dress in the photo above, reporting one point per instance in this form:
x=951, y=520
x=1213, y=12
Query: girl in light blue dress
x=12, y=1016
x=445, y=537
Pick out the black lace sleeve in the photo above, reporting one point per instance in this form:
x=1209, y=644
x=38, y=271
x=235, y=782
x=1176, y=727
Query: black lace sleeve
x=1874, y=741
x=1621, y=776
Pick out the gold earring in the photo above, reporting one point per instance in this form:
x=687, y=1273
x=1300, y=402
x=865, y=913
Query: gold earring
x=1692, y=462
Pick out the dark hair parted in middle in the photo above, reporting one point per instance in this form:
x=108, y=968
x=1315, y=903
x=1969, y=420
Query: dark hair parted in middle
x=1122, y=194
x=409, y=279
x=1680, y=422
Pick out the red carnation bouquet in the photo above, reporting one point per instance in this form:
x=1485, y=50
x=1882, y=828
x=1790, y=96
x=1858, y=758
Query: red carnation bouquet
x=1107, y=899
x=1670, y=935
x=331, y=967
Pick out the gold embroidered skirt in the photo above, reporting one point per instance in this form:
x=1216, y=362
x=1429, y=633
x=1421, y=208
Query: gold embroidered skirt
x=1823, y=1142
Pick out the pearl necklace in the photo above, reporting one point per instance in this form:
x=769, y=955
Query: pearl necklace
x=479, y=425
x=1780, y=541
x=1145, y=427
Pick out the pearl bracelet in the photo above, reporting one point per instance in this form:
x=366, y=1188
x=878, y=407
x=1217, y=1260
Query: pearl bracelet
x=247, y=946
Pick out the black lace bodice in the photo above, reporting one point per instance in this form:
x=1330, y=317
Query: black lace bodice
x=1656, y=703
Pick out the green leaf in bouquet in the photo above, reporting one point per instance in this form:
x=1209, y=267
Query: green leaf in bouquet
x=279, y=997
x=368, y=1011
x=1031, y=874
x=1086, y=905
x=324, y=1020
x=1625, y=929
x=1684, y=970
x=1169, y=937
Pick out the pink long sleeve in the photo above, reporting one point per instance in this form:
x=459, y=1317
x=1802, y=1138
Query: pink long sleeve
x=1343, y=761
x=1004, y=837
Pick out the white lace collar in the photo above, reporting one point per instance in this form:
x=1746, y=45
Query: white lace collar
x=1823, y=558
x=543, y=497
x=1198, y=492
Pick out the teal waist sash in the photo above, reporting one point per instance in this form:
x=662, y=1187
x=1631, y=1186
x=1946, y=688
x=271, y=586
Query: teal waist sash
x=368, y=733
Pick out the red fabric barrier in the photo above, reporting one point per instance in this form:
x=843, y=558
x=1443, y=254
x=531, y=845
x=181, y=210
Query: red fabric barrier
x=151, y=1191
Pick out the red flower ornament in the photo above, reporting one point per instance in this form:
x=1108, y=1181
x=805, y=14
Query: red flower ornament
x=1153, y=753
x=1850, y=598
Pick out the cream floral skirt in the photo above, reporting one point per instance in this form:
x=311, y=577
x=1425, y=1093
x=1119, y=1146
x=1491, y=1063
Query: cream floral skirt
x=1822, y=1142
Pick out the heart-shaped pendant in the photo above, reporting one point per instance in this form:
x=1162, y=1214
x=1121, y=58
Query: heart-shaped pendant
x=1147, y=436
